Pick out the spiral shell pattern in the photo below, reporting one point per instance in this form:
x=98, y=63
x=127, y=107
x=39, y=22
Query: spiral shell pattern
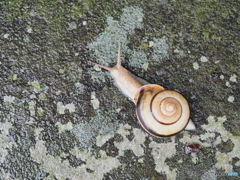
x=161, y=112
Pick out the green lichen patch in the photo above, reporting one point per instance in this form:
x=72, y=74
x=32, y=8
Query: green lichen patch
x=139, y=139
x=52, y=164
x=8, y=99
x=216, y=138
x=61, y=108
x=94, y=101
x=223, y=159
x=62, y=118
x=5, y=142
x=102, y=123
x=36, y=86
x=105, y=46
x=160, y=152
x=92, y=168
x=64, y=127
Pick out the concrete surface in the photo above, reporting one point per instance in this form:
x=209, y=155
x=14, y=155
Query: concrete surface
x=63, y=118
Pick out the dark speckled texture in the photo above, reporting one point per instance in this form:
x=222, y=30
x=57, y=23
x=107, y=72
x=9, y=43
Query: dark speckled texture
x=61, y=118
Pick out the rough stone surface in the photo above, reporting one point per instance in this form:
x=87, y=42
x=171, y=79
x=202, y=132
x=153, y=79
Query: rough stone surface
x=63, y=118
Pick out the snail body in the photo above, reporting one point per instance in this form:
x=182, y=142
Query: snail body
x=160, y=112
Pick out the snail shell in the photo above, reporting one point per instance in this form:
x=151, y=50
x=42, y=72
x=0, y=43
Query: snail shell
x=160, y=112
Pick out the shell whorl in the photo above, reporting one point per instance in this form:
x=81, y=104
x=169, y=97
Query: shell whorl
x=161, y=112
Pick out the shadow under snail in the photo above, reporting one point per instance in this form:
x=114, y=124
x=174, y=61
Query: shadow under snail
x=160, y=112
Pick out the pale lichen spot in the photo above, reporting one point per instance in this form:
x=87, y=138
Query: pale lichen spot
x=118, y=110
x=29, y=30
x=216, y=126
x=233, y=78
x=105, y=45
x=211, y=118
x=61, y=107
x=31, y=106
x=191, y=80
x=231, y=99
x=160, y=152
x=71, y=107
x=180, y=161
x=204, y=59
x=140, y=19
x=176, y=51
x=72, y=26
x=54, y=165
x=96, y=68
x=6, y=36
x=40, y=111
x=222, y=77
x=95, y=102
x=194, y=158
x=61, y=71
x=64, y=127
x=5, y=141
x=8, y=99
x=136, y=143
x=84, y=23
x=151, y=43
x=145, y=66
x=140, y=136
x=211, y=174
x=100, y=140
x=223, y=161
x=203, y=139
x=195, y=66
x=58, y=92
x=42, y=96
x=237, y=163
x=36, y=86
x=227, y=84
x=33, y=96
x=37, y=132
x=5, y=175
x=13, y=77
x=141, y=160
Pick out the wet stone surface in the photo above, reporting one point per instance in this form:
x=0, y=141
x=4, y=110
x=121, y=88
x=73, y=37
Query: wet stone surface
x=63, y=118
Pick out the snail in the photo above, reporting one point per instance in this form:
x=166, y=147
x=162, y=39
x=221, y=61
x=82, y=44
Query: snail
x=162, y=113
